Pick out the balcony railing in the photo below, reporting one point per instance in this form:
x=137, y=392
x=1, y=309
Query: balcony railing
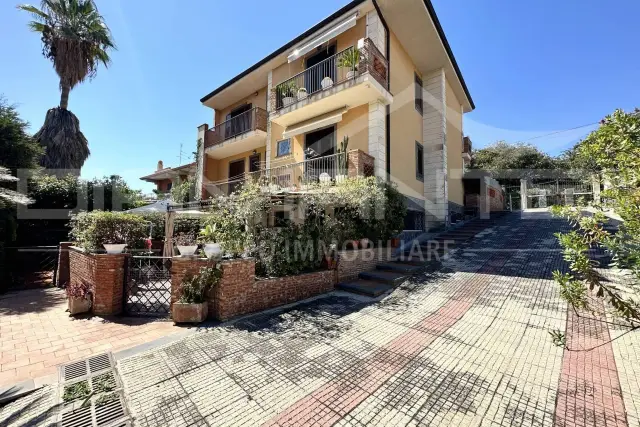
x=254, y=119
x=341, y=67
x=301, y=176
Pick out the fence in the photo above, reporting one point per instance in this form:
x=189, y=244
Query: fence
x=30, y=266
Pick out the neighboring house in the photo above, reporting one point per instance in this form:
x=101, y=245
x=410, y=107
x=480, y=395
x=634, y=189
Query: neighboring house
x=166, y=178
x=380, y=72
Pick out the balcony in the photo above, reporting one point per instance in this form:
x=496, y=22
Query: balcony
x=352, y=77
x=244, y=132
x=301, y=176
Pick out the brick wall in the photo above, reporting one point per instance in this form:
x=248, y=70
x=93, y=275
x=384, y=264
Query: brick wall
x=240, y=293
x=105, y=273
x=181, y=267
x=353, y=262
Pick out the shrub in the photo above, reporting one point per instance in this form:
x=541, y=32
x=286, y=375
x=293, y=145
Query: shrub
x=81, y=289
x=194, y=288
x=229, y=231
x=91, y=230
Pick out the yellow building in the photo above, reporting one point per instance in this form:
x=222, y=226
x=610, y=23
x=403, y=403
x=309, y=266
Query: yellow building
x=378, y=72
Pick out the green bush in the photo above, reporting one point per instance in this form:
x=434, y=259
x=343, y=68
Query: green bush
x=91, y=230
x=194, y=288
x=230, y=232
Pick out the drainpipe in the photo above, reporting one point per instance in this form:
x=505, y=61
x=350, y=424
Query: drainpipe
x=388, y=118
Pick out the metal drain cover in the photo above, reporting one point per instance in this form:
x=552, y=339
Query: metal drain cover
x=90, y=394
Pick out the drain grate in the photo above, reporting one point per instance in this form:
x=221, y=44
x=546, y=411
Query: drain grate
x=91, y=392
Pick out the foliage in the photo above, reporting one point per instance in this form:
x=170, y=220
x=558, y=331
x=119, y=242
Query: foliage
x=343, y=157
x=228, y=229
x=9, y=197
x=18, y=150
x=195, y=288
x=614, y=149
x=184, y=191
x=76, y=39
x=93, y=229
x=76, y=391
x=559, y=338
x=515, y=161
x=185, y=239
x=350, y=59
x=287, y=89
x=209, y=234
x=82, y=289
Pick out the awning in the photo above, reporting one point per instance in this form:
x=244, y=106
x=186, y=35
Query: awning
x=315, y=123
x=322, y=36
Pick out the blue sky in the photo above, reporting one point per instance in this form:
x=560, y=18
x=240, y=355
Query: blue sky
x=532, y=68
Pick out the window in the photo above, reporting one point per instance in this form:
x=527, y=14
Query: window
x=281, y=219
x=418, y=88
x=419, y=161
x=169, y=185
x=284, y=147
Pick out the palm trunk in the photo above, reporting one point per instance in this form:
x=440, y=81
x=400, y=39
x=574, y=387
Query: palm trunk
x=64, y=95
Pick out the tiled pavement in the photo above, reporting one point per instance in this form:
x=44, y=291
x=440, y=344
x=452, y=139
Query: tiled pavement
x=467, y=344
x=36, y=334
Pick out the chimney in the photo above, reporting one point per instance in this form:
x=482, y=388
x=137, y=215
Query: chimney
x=160, y=165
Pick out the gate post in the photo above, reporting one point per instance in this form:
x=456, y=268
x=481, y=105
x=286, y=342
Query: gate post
x=63, y=273
x=524, y=199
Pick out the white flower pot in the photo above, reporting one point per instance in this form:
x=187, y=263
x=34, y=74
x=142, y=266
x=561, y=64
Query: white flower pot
x=302, y=94
x=351, y=74
x=288, y=100
x=213, y=250
x=187, y=250
x=326, y=83
x=114, y=249
x=325, y=178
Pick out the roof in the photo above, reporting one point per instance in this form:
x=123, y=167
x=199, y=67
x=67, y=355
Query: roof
x=324, y=22
x=166, y=173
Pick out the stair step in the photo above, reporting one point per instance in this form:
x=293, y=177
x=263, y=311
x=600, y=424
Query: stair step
x=398, y=267
x=364, y=287
x=387, y=277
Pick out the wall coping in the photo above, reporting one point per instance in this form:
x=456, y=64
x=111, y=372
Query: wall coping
x=86, y=252
x=312, y=273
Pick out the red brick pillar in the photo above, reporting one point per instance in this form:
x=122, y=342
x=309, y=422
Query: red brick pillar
x=181, y=267
x=237, y=278
x=108, y=283
x=63, y=273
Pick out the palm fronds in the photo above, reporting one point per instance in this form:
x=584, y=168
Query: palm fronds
x=66, y=146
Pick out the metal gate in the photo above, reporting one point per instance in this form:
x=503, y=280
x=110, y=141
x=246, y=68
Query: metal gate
x=562, y=191
x=30, y=266
x=147, y=286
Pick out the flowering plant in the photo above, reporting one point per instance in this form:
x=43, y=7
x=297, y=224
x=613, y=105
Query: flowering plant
x=82, y=289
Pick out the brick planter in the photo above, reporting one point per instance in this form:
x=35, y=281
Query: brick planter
x=181, y=267
x=105, y=273
x=189, y=313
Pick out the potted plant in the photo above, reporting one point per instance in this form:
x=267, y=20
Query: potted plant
x=343, y=161
x=186, y=243
x=79, y=296
x=302, y=93
x=326, y=83
x=350, y=60
x=288, y=90
x=192, y=307
x=212, y=249
x=114, y=248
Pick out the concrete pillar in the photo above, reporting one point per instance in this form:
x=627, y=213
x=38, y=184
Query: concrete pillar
x=484, y=204
x=377, y=142
x=376, y=32
x=434, y=128
x=269, y=106
x=201, y=192
x=524, y=200
x=595, y=185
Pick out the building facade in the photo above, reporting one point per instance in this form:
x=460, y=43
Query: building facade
x=378, y=72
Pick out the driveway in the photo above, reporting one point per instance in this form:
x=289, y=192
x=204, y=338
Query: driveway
x=466, y=343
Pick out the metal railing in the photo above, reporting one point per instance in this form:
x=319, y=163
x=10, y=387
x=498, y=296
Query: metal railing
x=344, y=65
x=300, y=176
x=254, y=119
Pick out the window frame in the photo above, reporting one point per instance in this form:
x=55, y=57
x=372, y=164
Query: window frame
x=419, y=164
x=278, y=146
x=418, y=87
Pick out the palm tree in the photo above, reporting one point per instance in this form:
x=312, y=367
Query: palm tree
x=76, y=39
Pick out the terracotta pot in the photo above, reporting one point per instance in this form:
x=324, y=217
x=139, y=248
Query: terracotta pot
x=78, y=305
x=189, y=313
